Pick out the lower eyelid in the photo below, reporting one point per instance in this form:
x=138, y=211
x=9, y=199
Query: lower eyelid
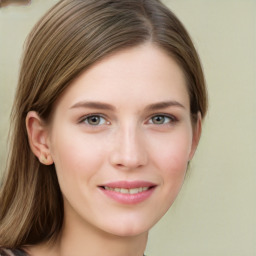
x=84, y=119
x=172, y=119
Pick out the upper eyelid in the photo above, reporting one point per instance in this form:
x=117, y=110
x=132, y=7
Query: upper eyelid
x=163, y=114
x=171, y=116
x=84, y=117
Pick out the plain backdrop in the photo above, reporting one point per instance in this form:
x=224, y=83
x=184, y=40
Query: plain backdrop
x=215, y=213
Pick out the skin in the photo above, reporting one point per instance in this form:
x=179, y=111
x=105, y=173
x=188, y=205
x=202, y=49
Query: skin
x=134, y=138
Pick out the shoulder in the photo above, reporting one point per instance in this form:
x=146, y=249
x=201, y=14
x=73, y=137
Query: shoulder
x=11, y=252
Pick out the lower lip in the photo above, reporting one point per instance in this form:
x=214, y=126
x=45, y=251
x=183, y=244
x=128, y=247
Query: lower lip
x=128, y=198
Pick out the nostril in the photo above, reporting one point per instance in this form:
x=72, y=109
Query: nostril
x=128, y=162
x=128, y=152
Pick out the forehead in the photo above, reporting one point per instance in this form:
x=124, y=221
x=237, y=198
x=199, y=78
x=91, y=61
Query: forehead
x=137, y=75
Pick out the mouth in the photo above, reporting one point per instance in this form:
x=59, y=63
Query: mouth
x=126, y=192
x=130, y=191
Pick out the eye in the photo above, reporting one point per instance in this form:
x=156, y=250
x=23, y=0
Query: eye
x=94, y=120
x=162, y=119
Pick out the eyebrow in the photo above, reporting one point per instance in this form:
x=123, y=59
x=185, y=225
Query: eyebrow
x=93, y=104
x=106, y=106
x=164, y=104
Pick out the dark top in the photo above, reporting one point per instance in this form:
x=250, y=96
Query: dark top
x=13, y=252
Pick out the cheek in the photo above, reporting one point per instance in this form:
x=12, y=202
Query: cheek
x=176, y=159
x=173, y=165
x=171, y=158
x=75, y=156
x=171, y=153
x=173, y=170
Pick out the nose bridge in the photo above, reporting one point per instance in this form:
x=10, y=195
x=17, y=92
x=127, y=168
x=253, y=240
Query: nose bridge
x=129, y=150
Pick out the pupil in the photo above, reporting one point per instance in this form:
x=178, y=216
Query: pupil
x=158, y=119
x=94, y=120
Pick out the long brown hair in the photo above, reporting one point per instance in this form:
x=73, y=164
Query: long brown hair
x=71, y=37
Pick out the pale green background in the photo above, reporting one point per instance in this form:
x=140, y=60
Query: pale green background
x=215, y=213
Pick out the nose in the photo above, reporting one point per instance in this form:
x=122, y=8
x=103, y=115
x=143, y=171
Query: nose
x=128, y=149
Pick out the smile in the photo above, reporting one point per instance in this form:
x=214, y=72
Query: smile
x=127, y=191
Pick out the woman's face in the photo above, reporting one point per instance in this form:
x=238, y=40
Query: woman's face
x=121, y=138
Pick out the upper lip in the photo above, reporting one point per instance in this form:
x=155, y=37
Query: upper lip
x=128, y=184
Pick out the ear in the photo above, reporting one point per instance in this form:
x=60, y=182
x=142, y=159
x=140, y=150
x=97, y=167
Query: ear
x=197, y=128
x=38, y=136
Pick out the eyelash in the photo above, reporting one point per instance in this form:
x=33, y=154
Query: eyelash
x=85, y=119
x=171, y=119
x=168, y=119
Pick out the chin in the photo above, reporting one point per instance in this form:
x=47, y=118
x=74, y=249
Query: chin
x=129, y=228
x=129, y=232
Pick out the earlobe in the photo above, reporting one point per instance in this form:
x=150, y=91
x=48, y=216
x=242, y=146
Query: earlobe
x=38, y=138
x=196, y=135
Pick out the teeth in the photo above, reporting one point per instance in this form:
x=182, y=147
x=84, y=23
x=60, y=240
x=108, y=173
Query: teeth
x=127, y=191
x=134, y=190
x=124, y=191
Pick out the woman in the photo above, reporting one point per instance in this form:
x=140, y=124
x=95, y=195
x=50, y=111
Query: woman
x=106, y=118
